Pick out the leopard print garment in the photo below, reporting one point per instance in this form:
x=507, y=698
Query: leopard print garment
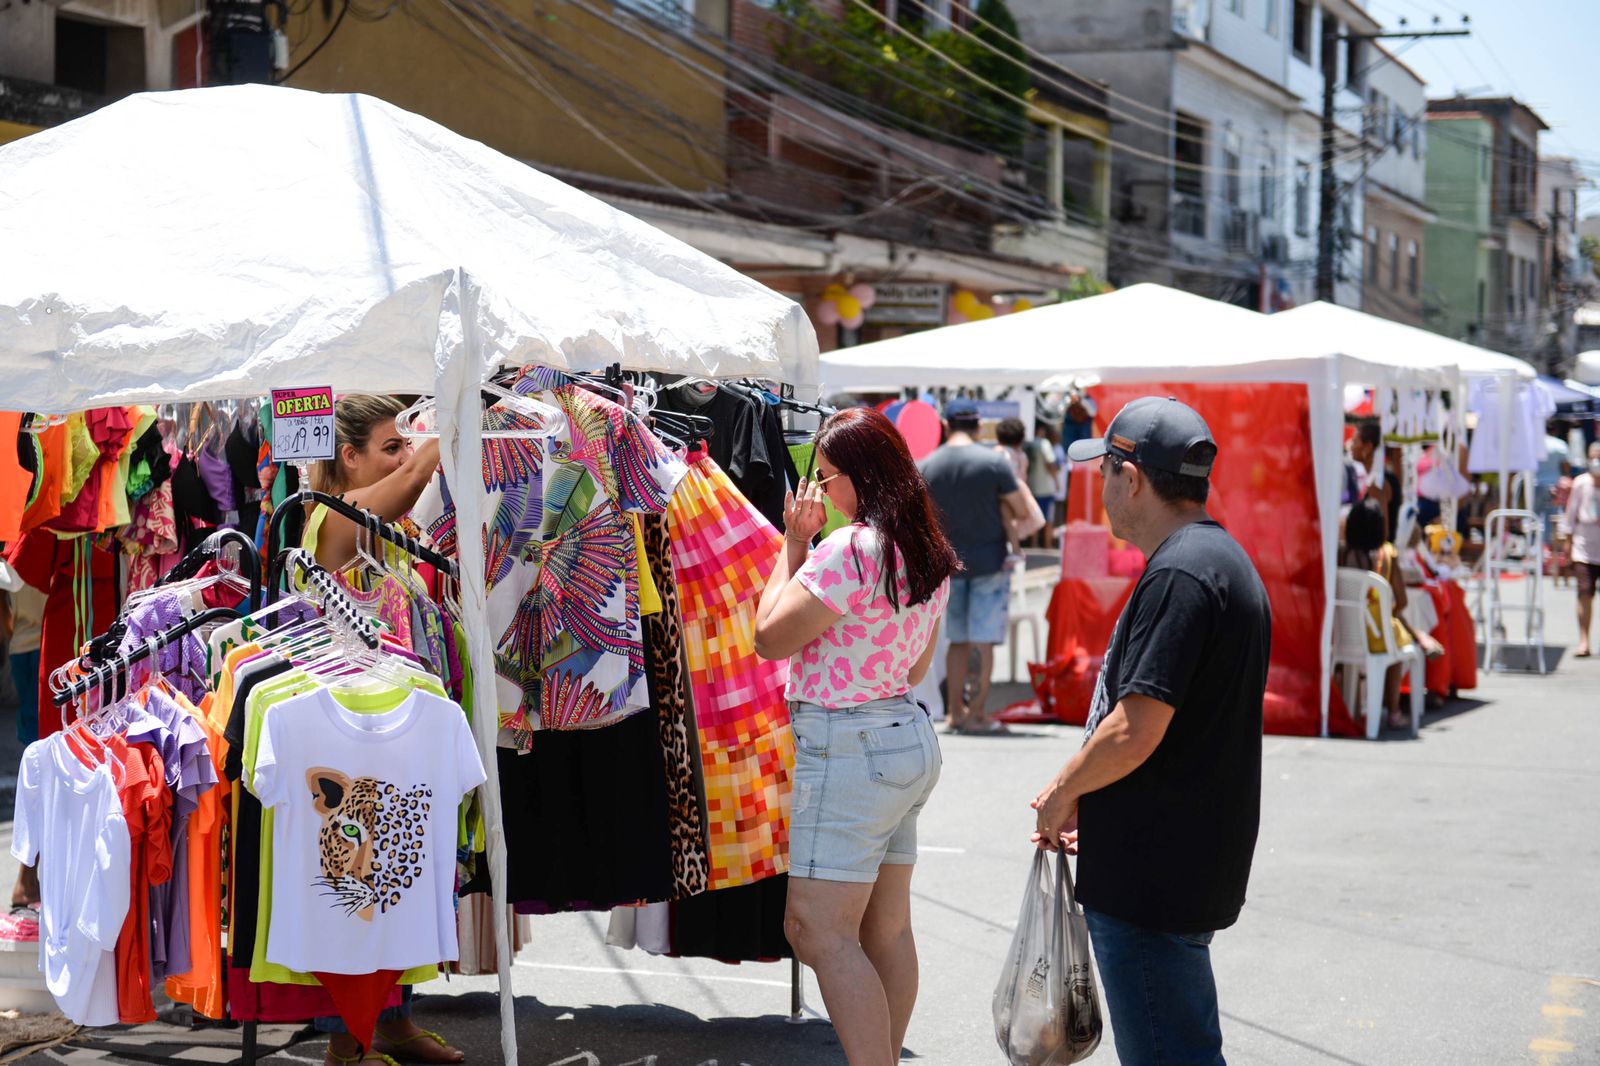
x=669, y=694
x=373, y=841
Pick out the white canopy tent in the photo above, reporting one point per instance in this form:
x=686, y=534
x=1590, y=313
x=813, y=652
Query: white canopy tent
x=1369, y=337
x=1150, y=333
x=218, y=243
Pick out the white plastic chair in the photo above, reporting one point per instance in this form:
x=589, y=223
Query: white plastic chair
x=1021, y=613
x=1352, y=624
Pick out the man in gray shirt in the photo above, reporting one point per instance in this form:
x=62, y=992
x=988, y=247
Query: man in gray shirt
x=979, y=499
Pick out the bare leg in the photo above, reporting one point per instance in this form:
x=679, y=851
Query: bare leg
x=886, y=938
x=957, y=662
x=977, y=714
x=823, y=923
x=1585, y=616
x=1391, y=698
x=26, y=890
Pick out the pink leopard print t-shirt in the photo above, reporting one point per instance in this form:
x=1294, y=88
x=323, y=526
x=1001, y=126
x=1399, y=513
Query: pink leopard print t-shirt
x=868, y=654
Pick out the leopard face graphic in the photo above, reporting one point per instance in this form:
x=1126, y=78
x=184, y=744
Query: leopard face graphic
x=373, y=840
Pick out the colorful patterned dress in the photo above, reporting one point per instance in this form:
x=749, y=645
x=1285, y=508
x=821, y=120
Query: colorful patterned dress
x=723, y=551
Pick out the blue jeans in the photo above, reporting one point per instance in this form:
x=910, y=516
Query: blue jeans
x=25, y=674
x=1160, y=993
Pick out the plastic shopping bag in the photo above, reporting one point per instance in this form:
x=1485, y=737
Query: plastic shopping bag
x=1046, y=1010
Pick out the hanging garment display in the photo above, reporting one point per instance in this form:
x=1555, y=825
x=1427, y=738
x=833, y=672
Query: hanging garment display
x=69, y=823
x=562, y=564
x=723, y=550
x=364, y=830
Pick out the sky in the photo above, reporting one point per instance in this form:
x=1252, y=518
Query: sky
x=1539, y=51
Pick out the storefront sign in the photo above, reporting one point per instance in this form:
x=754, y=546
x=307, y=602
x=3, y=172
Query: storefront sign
x=302, y=424
x=908, y=304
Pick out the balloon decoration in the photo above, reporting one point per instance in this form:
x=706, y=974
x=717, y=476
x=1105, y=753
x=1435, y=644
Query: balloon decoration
x=966, y=306
x=918, y=423
x=846, y=307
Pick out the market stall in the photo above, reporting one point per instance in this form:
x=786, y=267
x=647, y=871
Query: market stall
x=218, y=243
x=1241, y=369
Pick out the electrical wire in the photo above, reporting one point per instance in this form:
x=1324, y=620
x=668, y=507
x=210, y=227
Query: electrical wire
x=337, y=22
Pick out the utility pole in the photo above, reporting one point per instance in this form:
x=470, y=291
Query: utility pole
x=1328, y=207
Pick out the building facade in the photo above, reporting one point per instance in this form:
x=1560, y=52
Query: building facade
x=1396, y=214
x=1570, y=273
x=759, y=132
x=1217, y=137
x=1484, y=255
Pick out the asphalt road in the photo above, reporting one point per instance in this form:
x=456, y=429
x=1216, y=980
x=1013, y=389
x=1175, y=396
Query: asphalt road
x=1428, y=901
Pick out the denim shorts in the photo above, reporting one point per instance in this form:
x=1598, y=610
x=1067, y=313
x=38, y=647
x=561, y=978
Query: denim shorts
x=979, y=609
x=861, y=777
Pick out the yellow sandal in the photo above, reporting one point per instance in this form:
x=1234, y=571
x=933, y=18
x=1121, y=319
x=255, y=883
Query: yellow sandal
x=394, y=1047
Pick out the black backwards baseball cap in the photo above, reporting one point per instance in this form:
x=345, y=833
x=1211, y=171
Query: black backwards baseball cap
x=1154, y=432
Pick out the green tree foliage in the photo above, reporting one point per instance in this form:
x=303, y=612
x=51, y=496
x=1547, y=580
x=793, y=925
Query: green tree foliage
x=901, y=74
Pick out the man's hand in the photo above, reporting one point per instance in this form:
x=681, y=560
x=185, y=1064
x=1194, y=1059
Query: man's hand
x=1056, y=825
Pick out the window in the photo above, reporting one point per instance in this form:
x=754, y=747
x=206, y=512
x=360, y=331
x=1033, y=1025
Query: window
x=1394, y=261
x=1355, y=64
x=1235, y=7
x=1377, y=117
x=1269, y=16
x=1372, y=254
x=1302, y=198
x=1188, y=181
x=98, y=58
x=1232, y=169
x=1269, y=183
x=1301, y=31
x=1399, y=122
x=1413, y=267
x=670, y=10
x=924, y=17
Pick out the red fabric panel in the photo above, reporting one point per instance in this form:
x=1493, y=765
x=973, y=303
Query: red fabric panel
x=360, y=997
x=1262, y=492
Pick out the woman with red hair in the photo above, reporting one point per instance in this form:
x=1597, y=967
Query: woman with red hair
x=858, y=616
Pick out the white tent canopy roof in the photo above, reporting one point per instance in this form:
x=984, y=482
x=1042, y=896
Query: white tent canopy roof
x=1369, y=339
x=218, y=242
x=1143, y=332
x=1154, y=333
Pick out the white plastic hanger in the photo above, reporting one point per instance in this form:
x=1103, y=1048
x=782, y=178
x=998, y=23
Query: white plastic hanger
x=549, y=420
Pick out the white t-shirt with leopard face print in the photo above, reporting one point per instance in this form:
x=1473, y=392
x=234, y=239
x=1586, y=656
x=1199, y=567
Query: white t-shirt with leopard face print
x=364, y=833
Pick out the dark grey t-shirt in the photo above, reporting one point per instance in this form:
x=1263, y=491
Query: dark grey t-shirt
x=966, y=483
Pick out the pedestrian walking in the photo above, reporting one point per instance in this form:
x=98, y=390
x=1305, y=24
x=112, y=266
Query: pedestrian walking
x=1162, y=803
x=859, y=615
x=1583, y=522
x=983, y=510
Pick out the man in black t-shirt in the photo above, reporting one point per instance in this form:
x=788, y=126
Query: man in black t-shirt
x=1163, y=801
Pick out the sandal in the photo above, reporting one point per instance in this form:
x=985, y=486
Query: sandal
x=988, y=729
x=394, y=1048
x=358, y=1058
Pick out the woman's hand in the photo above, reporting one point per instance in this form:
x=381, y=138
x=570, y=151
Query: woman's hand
x=804, y=514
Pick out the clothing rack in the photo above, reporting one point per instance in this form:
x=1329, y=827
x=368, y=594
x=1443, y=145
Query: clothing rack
x=749, y=386
x=368, y=521
x=334, y=600
x=210, y=549
x=105, y=645
x=119, y=665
